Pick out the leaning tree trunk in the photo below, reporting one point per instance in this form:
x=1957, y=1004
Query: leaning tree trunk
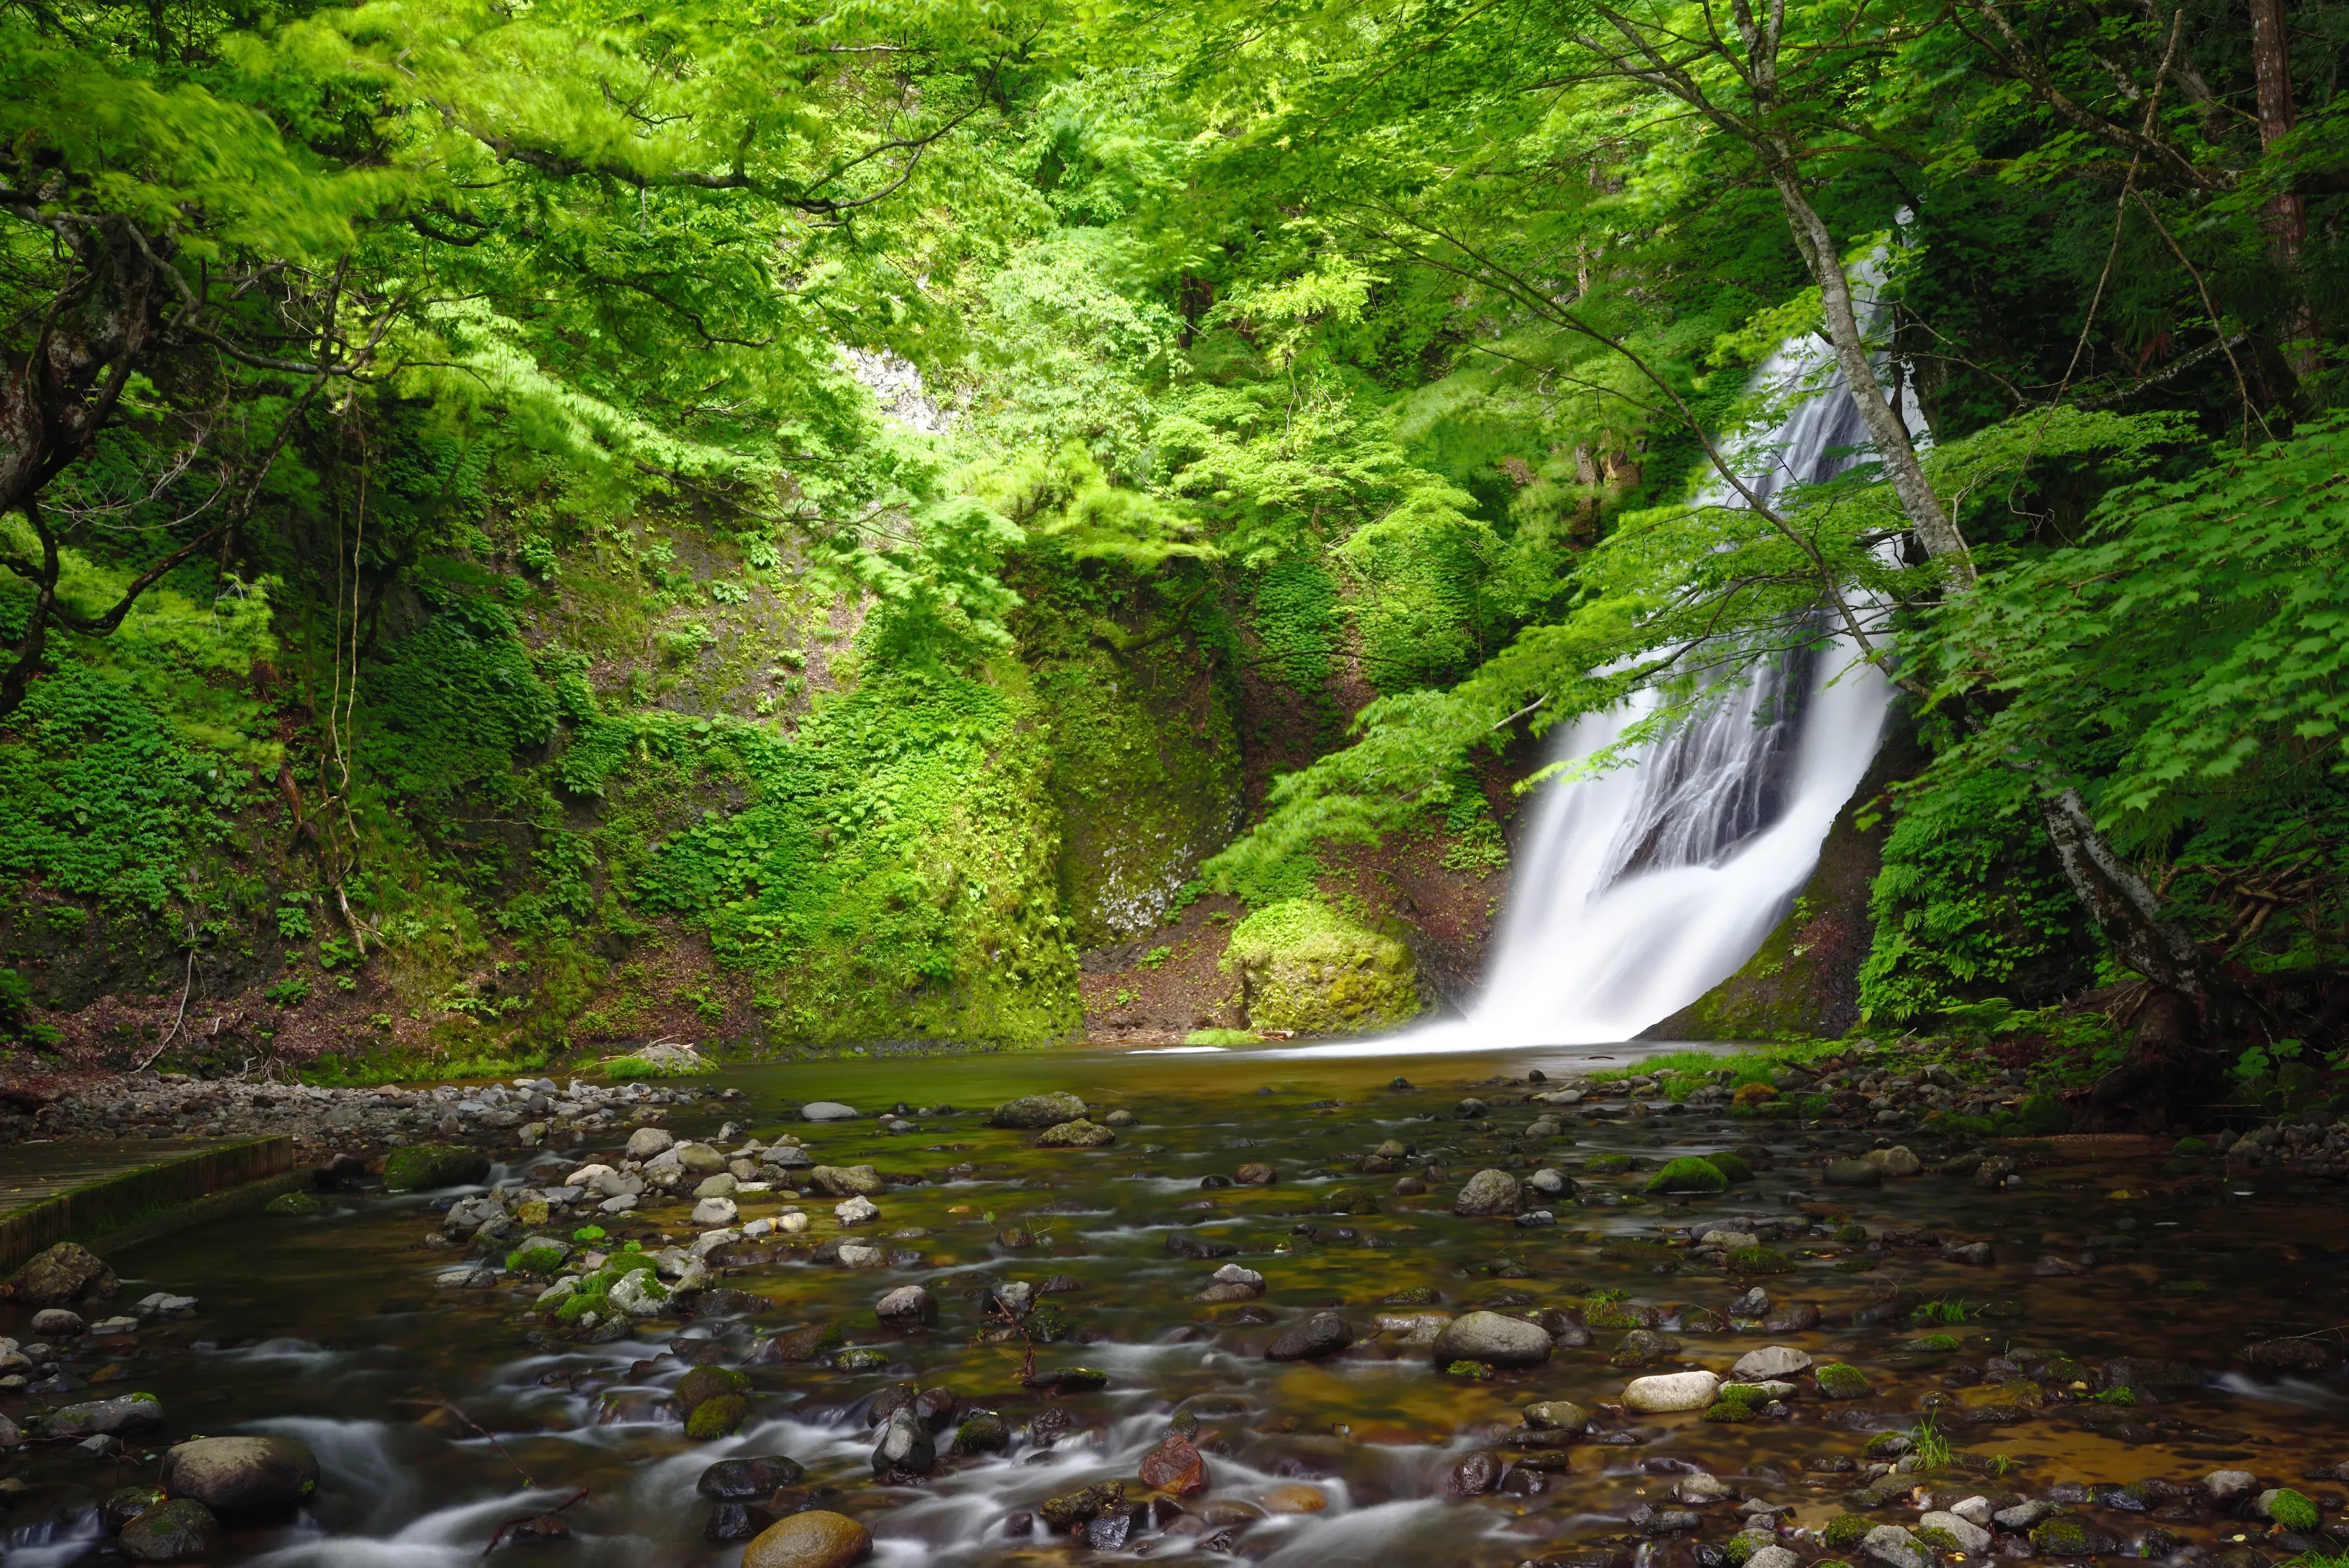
x=2166, y=1049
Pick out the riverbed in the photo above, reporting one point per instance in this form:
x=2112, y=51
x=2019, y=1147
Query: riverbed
x=440, y=1412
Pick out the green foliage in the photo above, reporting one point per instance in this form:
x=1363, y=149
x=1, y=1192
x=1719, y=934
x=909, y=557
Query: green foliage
x=1759, y=1261
x=630, y=1069
x=1931, y=1448
x=1846, y=1532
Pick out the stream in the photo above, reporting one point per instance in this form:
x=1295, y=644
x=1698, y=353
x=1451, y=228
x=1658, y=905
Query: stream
x=438, y=1414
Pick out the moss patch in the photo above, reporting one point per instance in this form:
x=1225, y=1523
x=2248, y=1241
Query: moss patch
x=1689, y=1174
x=1307, y=968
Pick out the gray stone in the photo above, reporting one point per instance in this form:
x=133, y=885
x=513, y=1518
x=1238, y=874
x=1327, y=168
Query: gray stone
x=1486, y=1193
x=243, y=1475
x=855, y=1212
x=179, y=1530
x=1556, y=1415
x=828, y=1110
x=716, y=1212
x=1323, y=1334
x=1854, y=1173
x=1699, y=1487
x=1970, y=1535
x=1752, y=1304
x=56, y=1323
x=2227, y=1485
x=1973, y=1510
x=907, y=1306
x=846, y=1181
x=646, y=1141
x=1771, y=1361
x=130, y=1414
x=1488, y=1336
x=1774, y=1557
x=1895, y=1548
x=1034, y=1111
x=2023, y=1515
x=905, y=1446
x=1896, y=1161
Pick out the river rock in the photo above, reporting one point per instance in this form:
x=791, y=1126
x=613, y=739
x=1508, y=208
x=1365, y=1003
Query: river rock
x=1854, y=1173
x=1770, y=1361
x=846, y=1181
x=1556, y=1415
x=1699, y=1487
x=2298, y=1354
x=740, y=1481
x=1895, y=1548
x=907, y=1306
x=713, y=1213
x=236, y=1476
x=66, y=1274
x=855, y=1212
x=1486, y=1194
x=646, y=1141
x=127, y=1416
x=1972, y=1537
x=179, y=1530
x=1174, y=1466
x=1233, y=1283
x=1077, y=1134
x=816, y=1539
x=1038, y=1110
x=905, y=1446
x=56, y=1323
x=1753, y=1302
x=828, y=1110
x=1774, y=1557
x=1671, y=1392
x=721, y=1185
x=1489, y=1338
x=2224, y=1486
x=2023, y=1515
x=1323, y=1334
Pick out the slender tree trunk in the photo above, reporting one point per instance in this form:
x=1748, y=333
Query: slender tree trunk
x=2287, y=214
x=2117, y=898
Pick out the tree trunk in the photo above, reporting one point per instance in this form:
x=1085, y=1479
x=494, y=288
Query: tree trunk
x=2117, y=898
x=2287, y=214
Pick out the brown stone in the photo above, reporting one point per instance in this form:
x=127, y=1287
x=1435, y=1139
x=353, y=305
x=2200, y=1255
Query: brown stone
x=1254, y=1175
x=1175, y=1465
x=1295, y=1497
x=815, y=1539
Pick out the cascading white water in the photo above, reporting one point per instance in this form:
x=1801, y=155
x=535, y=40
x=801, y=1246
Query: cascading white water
x=1641, y=888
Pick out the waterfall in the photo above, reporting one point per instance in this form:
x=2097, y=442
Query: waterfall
x=1640, y=889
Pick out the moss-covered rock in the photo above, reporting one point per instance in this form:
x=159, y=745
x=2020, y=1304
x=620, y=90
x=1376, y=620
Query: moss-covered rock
x=1840, y=1380
x=1846, y=1532
x=1759, y=1261
x=416, y=1167
x=718, y=1417
x=1307, y=968
x=1731, y=1167
x=295, y=1204
x=1689, y=1174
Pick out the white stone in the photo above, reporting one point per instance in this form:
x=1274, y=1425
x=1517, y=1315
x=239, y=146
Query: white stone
x=646, y=1141
x=857, y=1211
x=2226, y=1485
x=1973, y=1510
x=829, y=1110
x=1233, y=1274
x=1672, y=1391
x=1699, y=1487
x=1774, y=1557
x=792, y=1225
x=1729, y=1240
x=585, y=1175
x=856, y=1256
x=1970, y=1536
x=1770, y=1361
x=638, y=1294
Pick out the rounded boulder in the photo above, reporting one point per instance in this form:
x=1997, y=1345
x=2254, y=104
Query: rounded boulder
x=179, y=1530
x=1487, y=1192
x=816, y=1539
x=241, y=1475
x=1489, y=1338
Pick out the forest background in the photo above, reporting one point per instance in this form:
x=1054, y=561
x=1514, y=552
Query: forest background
x=532, y=529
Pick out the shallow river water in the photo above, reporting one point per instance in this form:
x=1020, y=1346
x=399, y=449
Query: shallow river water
x=331, y=1329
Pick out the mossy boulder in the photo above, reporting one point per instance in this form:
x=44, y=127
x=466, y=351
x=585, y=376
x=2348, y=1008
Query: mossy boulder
x=295, y=1204
x=1839, y=1380
x=718, y=1417
x=1732, y=1169
x=418, y=1166
x=1846, y=1532
x=1689, y=1174
x=1307, y=968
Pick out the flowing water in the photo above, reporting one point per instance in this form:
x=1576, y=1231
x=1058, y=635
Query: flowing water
x=331, y=1329
x=1641, y=888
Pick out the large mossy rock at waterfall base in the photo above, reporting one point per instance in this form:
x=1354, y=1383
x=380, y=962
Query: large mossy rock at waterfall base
x=1305, y=966
x=416, y=1167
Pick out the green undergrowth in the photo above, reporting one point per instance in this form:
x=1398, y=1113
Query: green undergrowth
x=1308, y=966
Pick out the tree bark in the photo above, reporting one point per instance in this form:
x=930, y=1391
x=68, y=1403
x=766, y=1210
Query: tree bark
x=2287, y=214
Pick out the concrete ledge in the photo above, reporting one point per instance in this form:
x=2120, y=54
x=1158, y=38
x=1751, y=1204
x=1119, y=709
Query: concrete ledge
x=113, y=1195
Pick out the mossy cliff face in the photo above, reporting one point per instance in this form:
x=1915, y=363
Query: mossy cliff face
x=1307, y=967
x=1146, y=757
